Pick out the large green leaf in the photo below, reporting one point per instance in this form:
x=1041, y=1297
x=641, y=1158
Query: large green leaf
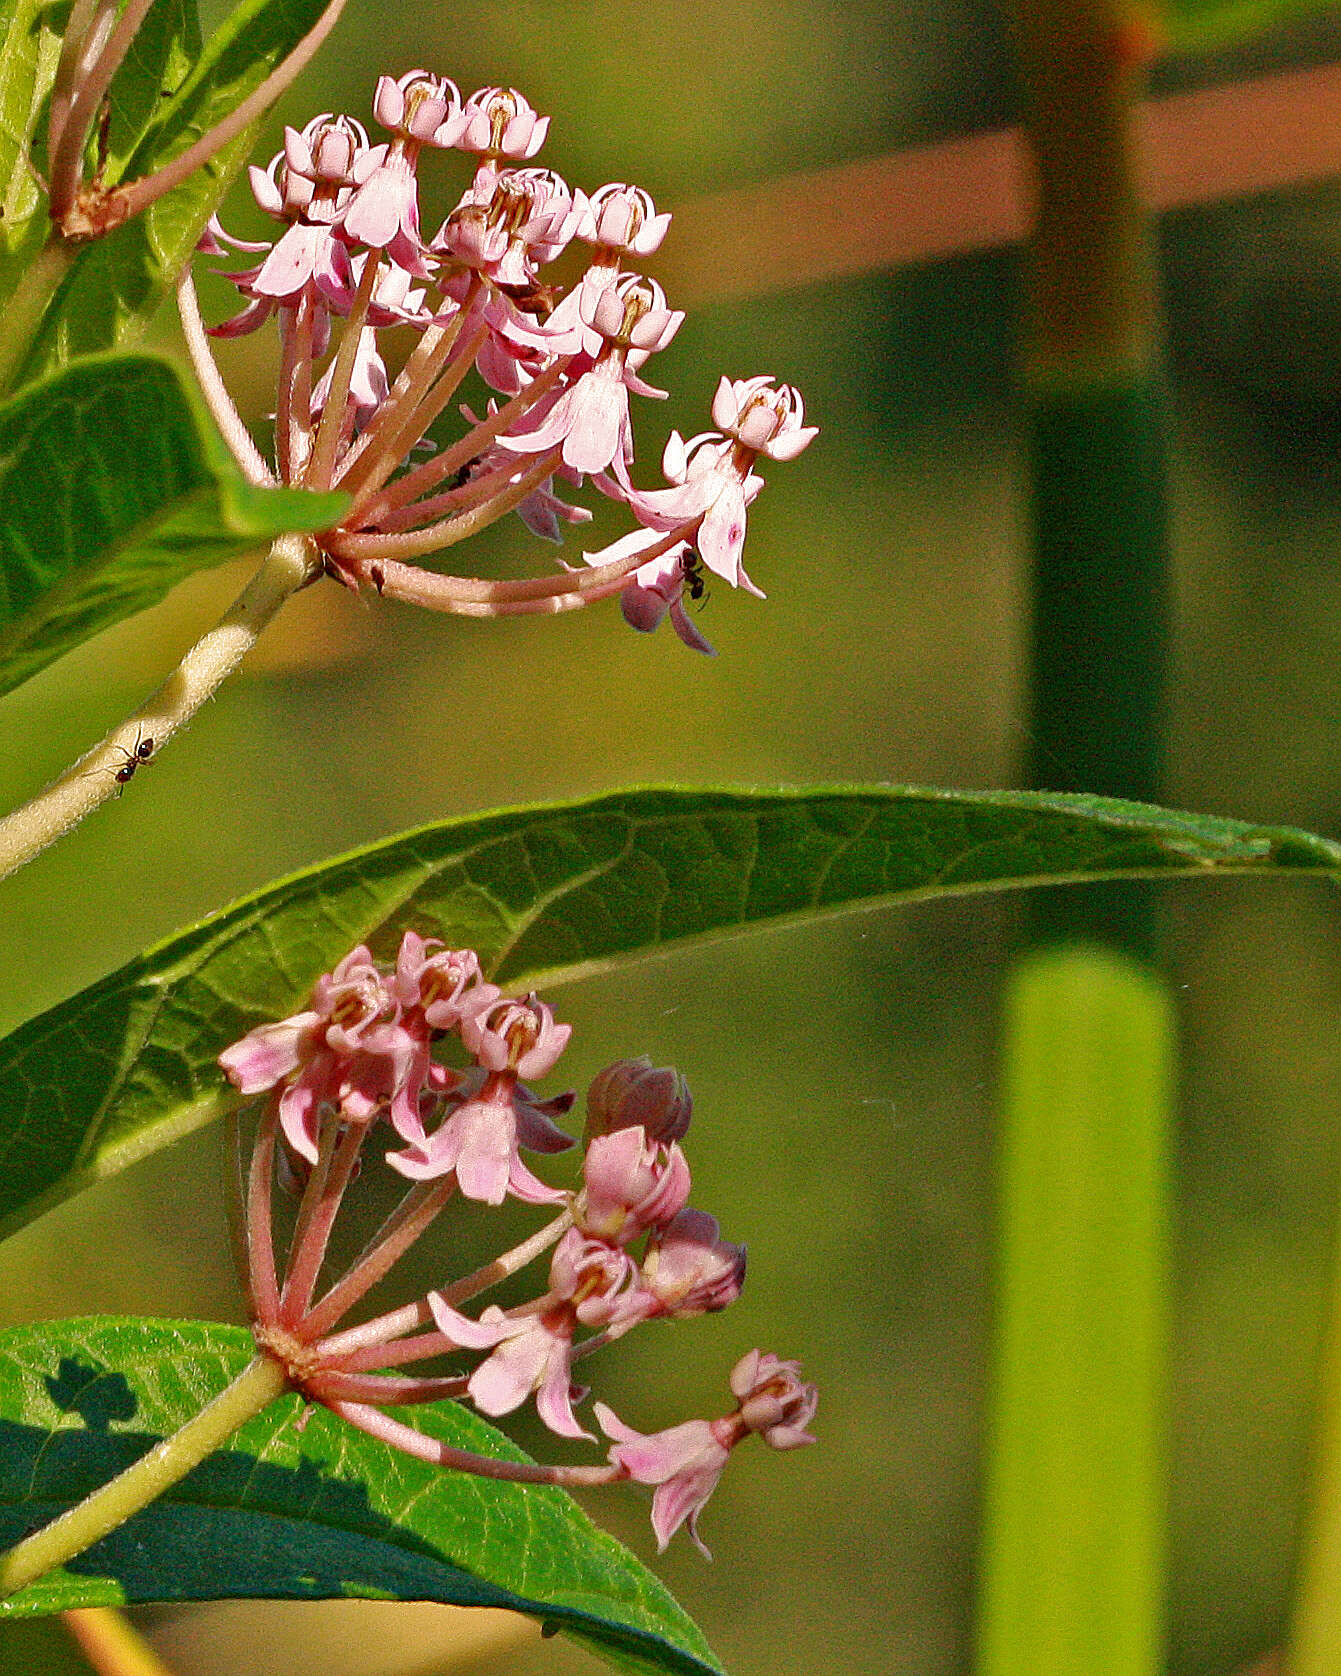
x=165, y=96
x=114, y=486
x=300, y=1514
x=546, y=894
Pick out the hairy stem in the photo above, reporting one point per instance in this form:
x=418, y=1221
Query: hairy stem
x=259, y=1383
x=92, y=780
x=213, y=388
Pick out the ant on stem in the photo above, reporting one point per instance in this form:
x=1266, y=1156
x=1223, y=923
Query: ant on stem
x=133, y=757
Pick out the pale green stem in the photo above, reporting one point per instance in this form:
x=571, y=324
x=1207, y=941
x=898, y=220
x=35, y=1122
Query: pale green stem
x=30, y=300
x=1314, y=1647
x=259, y=1383
x=92, y=780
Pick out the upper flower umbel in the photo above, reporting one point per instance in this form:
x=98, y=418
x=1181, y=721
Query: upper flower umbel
x=351, y=264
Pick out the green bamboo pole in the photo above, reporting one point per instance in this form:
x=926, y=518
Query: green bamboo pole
x=1072, y=1558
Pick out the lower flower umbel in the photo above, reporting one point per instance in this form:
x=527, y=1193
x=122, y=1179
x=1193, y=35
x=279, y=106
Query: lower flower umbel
x=624, y=1248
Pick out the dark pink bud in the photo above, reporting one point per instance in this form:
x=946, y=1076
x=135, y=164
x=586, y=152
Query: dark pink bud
x=635, y=1094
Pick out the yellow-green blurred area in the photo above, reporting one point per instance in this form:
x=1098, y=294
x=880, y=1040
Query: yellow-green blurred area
x=843, y=1076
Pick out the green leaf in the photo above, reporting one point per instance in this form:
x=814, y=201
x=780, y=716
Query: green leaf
x=165, y=96
x=306, y=1514
x=114, y=486
x=545, y=895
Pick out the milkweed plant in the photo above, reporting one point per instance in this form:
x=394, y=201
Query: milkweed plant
x=384, y=1021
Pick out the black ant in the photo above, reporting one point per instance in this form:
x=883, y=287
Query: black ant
x=133, y=757
x=695, y=582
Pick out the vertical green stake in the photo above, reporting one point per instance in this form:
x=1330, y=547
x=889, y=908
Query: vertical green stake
x=1072, y=1556
x=1072, y=1570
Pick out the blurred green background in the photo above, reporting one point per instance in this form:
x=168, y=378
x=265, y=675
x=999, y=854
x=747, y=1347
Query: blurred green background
x=843, y=1076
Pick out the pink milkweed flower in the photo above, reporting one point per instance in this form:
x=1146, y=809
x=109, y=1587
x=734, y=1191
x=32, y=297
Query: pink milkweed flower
x=689, y=1269
x=383, y=213
x=630, y=1184
x=762, y=419
x=711, y=490
x=635, y=1094
x=656, y=589
x=685, y=1462
x=417, y=105
x=480, y=1138
x=622, y=220
x=622, y=324
x=519, y=1036
x=774, y=1400
x=498, y=122
x=443, y=983
x=349, y=1051
x=534, y=1347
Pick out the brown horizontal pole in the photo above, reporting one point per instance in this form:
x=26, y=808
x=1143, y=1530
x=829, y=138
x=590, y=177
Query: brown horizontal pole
x=968, y=194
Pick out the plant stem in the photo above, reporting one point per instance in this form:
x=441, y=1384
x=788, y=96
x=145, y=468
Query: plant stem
x=1073, y=1541
x=259, y=1383
x=1314, y=1642
x=110, y=1643
x=31, y=298
x=92, y=780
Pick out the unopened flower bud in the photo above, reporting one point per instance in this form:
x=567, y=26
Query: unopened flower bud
x=635, y=1094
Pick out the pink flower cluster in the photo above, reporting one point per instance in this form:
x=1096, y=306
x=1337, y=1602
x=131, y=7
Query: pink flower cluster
x=353, y=249
x=626, y=1248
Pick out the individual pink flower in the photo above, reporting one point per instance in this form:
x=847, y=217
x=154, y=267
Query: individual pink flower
x=684, y=1462
x=621, y=325
x=774, y=1400
x=761, y=418
x=350, y=1052
x=657, y=589
x=622, y=220
x=689, y=1269
x=480, y=1138
x=630, y=1184
x=419, y=109
x=498, y=122
x=520, y=1036
x=534, y=1347
x=443, y=982
x=635, y=1094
